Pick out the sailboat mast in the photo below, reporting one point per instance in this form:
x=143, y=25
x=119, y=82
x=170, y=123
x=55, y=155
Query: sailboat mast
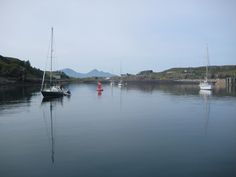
x=207, y=57
x=43, y=80
x=51, y=56
x=52, y=137
x=120, y=69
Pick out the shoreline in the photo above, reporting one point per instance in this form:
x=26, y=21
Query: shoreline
x=35, y=81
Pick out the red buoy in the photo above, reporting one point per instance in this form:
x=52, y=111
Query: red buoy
x=99, y=87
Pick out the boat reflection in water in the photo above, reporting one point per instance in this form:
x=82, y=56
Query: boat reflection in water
x=206, y=94
x=99, y=93
x=99, y=88
x=51, y=103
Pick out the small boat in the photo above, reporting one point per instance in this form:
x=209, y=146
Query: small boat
x=120, y=84
x=67, y=93
x=112, y=83
x=54, y=90
x=206, y=85
x=99, y=87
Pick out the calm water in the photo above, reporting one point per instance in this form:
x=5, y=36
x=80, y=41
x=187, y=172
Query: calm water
x=139, y=130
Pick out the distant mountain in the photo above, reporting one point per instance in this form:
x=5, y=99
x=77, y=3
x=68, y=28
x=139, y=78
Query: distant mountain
x=96, y=73
x=72, y=73
x=93, y=73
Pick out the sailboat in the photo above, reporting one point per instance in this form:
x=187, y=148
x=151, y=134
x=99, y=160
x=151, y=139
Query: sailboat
x=112, y=83
x=206, y=85
x=53, y=90
x=120, y=84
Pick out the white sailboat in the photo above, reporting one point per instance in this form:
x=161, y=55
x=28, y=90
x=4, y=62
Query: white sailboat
x=112, y=82
x=53, y=90
x=206, y=85
x=120, y=84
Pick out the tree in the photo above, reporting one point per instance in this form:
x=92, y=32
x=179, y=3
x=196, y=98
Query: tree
x=27, y=64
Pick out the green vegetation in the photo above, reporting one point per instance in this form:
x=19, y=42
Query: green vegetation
x=18, y=69
x=215, y=72
x=15, y=70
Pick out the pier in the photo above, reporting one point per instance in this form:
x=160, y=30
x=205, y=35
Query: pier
x=231, y=84
x=231, y=81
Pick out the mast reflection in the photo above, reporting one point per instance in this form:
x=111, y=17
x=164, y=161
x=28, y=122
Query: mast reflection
x=206, y=94
x=53, y=102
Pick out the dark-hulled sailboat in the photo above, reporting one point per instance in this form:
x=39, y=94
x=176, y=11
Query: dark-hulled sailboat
x=53, y=91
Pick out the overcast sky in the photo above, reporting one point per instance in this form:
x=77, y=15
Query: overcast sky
x=106, y=34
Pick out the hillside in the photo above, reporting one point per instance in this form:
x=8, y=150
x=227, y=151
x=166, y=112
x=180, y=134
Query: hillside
x=215, y=72
x=16, y=70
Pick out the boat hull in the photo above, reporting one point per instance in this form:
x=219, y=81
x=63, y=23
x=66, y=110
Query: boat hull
x=205, y=86
x=51, y=94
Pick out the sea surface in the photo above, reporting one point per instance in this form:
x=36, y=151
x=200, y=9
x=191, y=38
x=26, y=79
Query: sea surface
x=139, y=130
